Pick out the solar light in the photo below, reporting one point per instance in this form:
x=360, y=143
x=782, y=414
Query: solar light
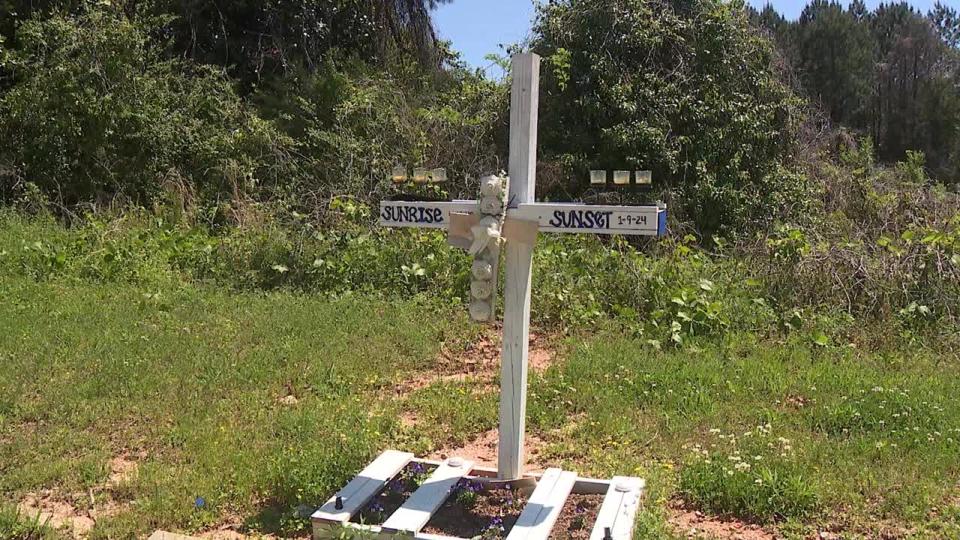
x=621, y=178
x=482, y=270
x=399, y=174
x=481, y=311
x=598, y=177
x=644, y=178
x=420, y=175
x=438, y=175
x=481, y=289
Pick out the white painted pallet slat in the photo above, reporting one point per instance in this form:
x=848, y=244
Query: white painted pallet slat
x=363, y=487
x=417, y=510
x=544, y=506
x=425, y=536
x=619, y=508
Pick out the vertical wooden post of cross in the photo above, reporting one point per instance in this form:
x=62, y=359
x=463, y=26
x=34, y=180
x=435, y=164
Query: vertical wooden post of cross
x=524, y=104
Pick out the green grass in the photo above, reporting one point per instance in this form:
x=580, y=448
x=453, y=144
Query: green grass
x=767, y=431
x=187, y=381
x=191, y=380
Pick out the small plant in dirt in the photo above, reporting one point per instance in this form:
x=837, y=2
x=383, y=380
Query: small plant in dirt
x=417, y=474
x=476, y=509
x=495, y=530
x=579, y=518
x=466, y=491
x=375, y=511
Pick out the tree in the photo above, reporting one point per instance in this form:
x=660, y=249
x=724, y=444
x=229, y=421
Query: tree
x=258, y=38
x=98, y=111
x=947, y=22
x=834, y=53
x=685, y=88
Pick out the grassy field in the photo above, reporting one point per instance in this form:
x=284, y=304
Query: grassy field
x=241, y=408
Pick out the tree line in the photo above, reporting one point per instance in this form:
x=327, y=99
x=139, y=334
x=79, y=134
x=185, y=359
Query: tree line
x=892, y=73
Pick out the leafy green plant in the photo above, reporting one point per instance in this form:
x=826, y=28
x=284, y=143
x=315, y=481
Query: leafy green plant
x=668, y=92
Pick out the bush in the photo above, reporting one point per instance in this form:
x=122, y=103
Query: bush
x=354, y=124
x=883, y=244
x=686, y=89
x=96, y=111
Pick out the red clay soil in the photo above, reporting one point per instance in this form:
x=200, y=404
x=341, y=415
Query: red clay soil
x=394, y=494
x=494, y=511
x=577, y=517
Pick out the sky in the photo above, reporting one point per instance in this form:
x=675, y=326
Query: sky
x=479, y=27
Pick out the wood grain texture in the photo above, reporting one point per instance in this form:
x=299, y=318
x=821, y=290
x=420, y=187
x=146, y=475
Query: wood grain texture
x=524, y=106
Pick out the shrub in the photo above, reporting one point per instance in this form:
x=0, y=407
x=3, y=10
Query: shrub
x=686, y=89
x=884, y=245
x=96, y=111
x=353, y=125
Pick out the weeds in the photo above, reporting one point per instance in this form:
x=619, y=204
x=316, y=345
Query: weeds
x=16, y=526
x=752, y=475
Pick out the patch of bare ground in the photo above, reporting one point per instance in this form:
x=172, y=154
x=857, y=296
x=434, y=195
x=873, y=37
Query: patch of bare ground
x=482, y=450
x=479, y=361
x=56, y=512
x=77, y=514
x=691, y=523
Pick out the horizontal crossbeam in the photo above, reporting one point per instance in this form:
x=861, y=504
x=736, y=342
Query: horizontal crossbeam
x=551, y=217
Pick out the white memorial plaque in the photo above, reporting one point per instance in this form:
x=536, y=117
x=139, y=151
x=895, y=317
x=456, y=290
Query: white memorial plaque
x=422, y=214
x=594, y=219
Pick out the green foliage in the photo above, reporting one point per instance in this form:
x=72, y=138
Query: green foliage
x=261, y=40
x=753, y=475
x=693, y=421
x=912, y=170
x=687, y=90
x=97, y=111
x=890, y=73
x=356, y=125
x=199, y=386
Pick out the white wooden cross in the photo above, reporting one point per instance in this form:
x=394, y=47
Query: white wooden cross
x=525, y=217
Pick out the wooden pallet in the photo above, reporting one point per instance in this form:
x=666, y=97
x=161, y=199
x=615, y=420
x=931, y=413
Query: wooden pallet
x=615, y=520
